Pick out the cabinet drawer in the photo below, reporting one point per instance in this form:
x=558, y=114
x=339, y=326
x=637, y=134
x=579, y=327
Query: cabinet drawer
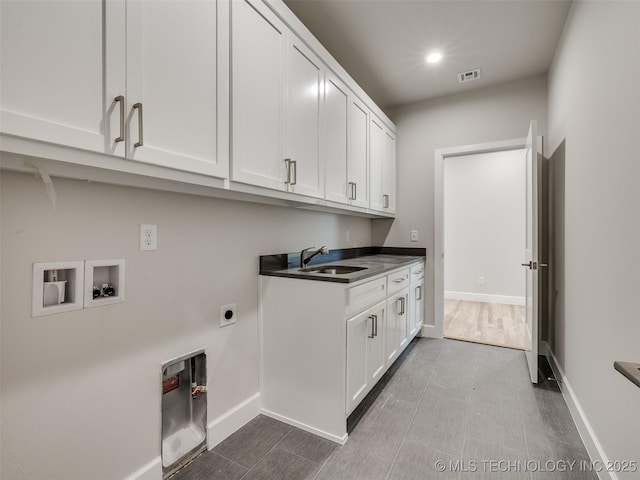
x=397, y=281
x=365, y=295
x=417, y=272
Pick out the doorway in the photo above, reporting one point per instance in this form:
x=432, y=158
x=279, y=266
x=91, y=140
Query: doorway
x=484, y=233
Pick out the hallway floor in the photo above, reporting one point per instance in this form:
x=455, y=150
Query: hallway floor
x=451, y=410
x=489, y=323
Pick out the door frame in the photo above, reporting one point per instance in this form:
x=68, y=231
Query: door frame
x=437, y=329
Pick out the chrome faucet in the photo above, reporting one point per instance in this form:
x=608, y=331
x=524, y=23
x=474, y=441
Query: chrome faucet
x=306, y=258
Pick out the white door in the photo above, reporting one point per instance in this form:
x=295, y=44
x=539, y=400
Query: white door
x=389, y=173
x=359, y=328
x=358, y=153
x=376, y=163
x=375, y=344
x=258, y=52
x=62, y=69
x=531, y=261
x=171, y=85
x=302, y=114
x=335, y=144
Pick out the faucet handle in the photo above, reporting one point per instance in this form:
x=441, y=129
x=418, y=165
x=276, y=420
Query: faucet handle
x=324, y=250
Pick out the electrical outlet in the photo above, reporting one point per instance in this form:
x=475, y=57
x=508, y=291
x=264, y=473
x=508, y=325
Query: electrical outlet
x=227, y=314
x=414, y=235
x=148, y=237
x=480, y=280
x=347, y=236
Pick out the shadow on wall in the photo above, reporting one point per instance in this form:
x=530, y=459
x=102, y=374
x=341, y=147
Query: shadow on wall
x=555, y=242
x=380, y=228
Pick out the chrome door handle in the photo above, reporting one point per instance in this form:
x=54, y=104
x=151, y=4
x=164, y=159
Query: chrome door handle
x=120, y=99
x=287, y=163
x=419, y=289
x=294, y=164
x=140, y=142
x=374, y=326
x=354, y=190
x=385, y=201
x=403, y=301
x=530, y=264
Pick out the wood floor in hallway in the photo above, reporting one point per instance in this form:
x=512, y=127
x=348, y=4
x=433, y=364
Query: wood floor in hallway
x=489, y=323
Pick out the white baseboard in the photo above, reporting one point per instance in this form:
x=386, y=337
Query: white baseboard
x=302, y=426
x=430, y=331
x=591, y=443
x=150, y=471
x=484, y=297
x=232, y=420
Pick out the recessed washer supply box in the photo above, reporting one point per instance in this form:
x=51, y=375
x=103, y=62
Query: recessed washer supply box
x=108, y=278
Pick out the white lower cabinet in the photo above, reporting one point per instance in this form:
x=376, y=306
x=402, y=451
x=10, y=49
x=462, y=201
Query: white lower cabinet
x=397, y=331
x=325, y=345
x=365, y=353
x=416, y=300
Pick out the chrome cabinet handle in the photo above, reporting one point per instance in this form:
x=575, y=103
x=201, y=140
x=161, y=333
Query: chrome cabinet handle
x=375, y=320
x=120, y=99
x=352, y=188
x=140, y=142
x=399, y=280
x=419, y=289
x=403, y=305
x=373, y=328
x=287, y=163
x=385, y=201
x=294, y=164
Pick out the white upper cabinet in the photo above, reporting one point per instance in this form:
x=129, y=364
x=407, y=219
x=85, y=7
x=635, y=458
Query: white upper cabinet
x=389, y=173
x=62, y=68
x=345, y=145
x=335, y=146
x=258, y=53
x=276, y=104
x=376, y=154
x=382, y=164
x=303, y=115
x=135, y=79
x=171, y=85
x=358, y=154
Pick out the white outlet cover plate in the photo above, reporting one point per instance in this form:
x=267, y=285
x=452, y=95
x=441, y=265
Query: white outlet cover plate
x=414, y=235
x=148, y=237
x=223, y=309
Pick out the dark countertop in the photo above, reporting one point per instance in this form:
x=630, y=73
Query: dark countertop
x=375, y=264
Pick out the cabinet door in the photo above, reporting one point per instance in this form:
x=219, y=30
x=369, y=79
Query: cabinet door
x=335, y=145
x=375, y=344
x=359, y=328
x=302, y=113
x=416, y=308
x=258, y=52
x=62, y=68
x=389, y=173
x=396, y=328
x=358, y=152
x=376, y=159
x=171, y=76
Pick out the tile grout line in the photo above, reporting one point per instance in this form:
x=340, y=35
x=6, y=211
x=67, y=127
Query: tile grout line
x=268, y=452
x=415, y=412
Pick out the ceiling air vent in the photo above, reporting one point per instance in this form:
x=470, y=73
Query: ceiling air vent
x=469, y=76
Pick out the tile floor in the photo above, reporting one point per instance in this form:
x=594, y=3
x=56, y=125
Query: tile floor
x=470, y=406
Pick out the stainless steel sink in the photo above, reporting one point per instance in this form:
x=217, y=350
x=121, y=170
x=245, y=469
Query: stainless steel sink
x=333, y=269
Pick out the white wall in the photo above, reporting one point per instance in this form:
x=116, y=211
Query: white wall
x=484, y=219
x=490, y=114
x=594, y=106
x=81, y=390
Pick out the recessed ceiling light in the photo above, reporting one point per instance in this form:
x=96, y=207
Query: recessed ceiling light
x=434, y=57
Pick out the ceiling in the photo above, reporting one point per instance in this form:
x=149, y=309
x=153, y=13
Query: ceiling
x=383, y=43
